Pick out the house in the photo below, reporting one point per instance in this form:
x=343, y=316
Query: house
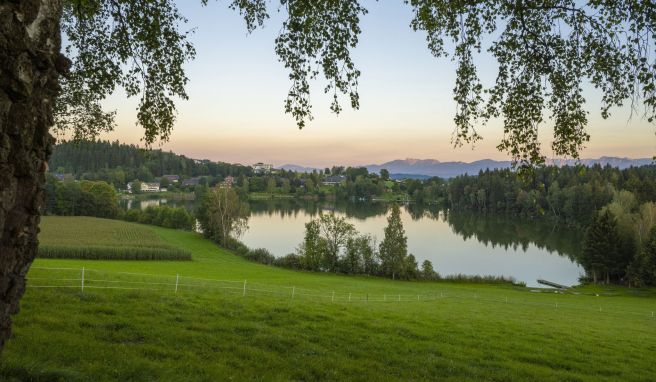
x=191, y=182
x=145, y=187
x=333, y=180
x=227, y=182
x=172, y=178
x=262, y=168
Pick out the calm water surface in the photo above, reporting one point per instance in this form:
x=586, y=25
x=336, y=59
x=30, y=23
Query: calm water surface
x=456, y=243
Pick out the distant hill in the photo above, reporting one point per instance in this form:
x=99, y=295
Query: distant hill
x=296, y=168
x=620, y=163
x=426, y=168
x=433, y=167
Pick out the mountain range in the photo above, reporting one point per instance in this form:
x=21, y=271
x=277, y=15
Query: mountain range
x=421, y=168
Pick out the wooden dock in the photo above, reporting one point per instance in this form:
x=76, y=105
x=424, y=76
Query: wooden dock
x=552, y=284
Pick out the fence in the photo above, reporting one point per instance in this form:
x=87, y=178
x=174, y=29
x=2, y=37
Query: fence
x=85, y=279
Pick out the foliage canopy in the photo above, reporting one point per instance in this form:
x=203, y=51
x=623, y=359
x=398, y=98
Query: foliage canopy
x=546, y=52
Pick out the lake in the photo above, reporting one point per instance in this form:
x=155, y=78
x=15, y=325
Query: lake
x=456, y=243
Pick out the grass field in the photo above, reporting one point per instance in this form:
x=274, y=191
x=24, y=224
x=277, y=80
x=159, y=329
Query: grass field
x=438, y=331
x=80, y=237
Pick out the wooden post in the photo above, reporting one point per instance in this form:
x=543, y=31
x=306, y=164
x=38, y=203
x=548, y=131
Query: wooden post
x=244, y=294
x=82, y=279
x=293, y=291
x=177, y=279
x=349, y=297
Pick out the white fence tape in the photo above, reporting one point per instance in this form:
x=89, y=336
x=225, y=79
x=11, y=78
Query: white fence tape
x=85, y=278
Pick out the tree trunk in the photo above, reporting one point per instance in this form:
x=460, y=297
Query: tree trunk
x=29, y=65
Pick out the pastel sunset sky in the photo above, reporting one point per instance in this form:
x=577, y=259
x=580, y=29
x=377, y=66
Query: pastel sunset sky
x=237, y=88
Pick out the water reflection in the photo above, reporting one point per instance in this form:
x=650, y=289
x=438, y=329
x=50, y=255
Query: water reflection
x=461, y=242
x=464, y=243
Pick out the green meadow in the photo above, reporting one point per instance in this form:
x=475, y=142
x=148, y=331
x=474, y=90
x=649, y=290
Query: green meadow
x=195, y=321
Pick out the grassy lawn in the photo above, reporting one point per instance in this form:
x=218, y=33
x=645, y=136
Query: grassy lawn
x=438, y=331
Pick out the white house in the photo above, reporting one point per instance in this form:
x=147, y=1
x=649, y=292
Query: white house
x=145, y=187
x=262, y=168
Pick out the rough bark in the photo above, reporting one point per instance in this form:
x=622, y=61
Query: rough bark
x=30, y=62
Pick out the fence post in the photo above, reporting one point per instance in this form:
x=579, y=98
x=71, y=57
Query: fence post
x=350, y=297
x=293, y=291
x=82, y=280
x=177, y=278
x=333, y=299
x=244, y=294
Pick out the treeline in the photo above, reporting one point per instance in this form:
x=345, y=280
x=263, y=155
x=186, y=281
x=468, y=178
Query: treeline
x=100, y=199
x=331, y=244
x=620, y=243
x=117, y=163
x=84, y=198
x=573, y=195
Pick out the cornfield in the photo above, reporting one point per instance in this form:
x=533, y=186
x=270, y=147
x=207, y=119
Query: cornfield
x=103, y=239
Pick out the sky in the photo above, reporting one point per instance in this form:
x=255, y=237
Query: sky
x=237, y=87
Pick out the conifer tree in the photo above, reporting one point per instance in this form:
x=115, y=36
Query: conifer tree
x=394, y=247
x=601, y=246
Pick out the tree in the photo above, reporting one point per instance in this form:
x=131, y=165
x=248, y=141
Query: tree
x=222, y=215
x=353, y=261
x=285, y=188
x=427, y=271
x=601, y=246
x=245, y=187
x=384, y=174
x=394, y=247
x=271, y=186
x=545, y=52
x=642, y=271
x=314, y=247
x=336, y=231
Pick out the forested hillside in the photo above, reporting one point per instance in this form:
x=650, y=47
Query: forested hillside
x=571, y=194
x=118, y=163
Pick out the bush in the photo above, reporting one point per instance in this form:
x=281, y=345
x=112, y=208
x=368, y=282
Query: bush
x=260, y=255
x=292, y=261
x=488, y=279
x=163, y=216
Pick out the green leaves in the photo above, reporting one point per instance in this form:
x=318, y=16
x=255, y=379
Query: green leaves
x=136, y=45
x=545, y=51
x=317, y=37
